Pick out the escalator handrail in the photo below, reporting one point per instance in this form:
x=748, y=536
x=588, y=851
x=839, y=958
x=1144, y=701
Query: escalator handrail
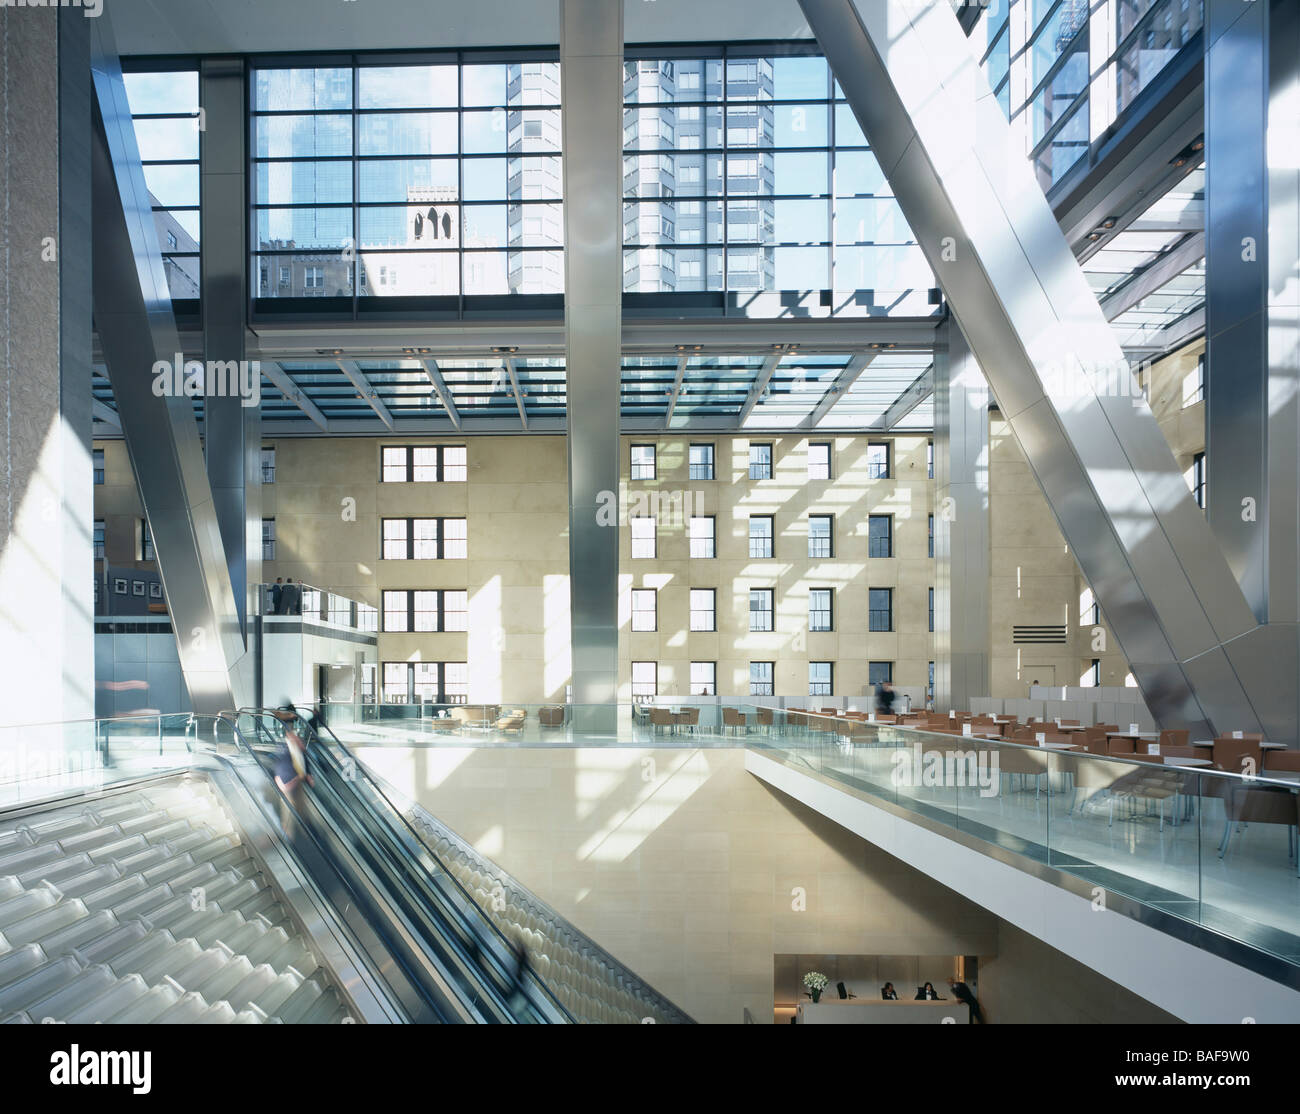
x=465, y=922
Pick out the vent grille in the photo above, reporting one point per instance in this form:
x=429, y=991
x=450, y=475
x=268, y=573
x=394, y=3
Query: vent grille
x=1038, y=635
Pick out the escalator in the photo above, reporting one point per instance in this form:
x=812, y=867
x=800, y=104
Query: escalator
x=443, y=957
x=169, y=879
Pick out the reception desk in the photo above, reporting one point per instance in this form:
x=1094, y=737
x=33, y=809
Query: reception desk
x=875, y=1011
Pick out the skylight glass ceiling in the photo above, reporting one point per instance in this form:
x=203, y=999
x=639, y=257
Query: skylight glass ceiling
x=713, y=393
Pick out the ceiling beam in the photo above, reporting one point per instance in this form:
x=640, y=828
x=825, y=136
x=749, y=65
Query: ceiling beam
x=922, y=387
x=1158, y=272
x=105, y=413
x=358, y=379
x=513, y=373
x=440, y=389
x=295, y=394
x=677, y=389
x=324, y=341
x=846, y=378
x=761, y=381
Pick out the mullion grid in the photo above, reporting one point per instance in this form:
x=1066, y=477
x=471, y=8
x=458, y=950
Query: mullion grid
x=354, y=114
x=410, y=541
x=723, y=105
x=196, y=162
x=440, y=610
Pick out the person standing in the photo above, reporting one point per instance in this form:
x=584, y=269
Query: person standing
x=277, y=590
x=290, y=599
x=962, y=993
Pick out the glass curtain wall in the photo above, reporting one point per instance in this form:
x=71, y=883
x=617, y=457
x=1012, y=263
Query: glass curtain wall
x=388, y=178
x=747, y=174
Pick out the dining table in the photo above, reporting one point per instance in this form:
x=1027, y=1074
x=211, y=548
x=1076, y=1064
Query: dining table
x=1209, y=744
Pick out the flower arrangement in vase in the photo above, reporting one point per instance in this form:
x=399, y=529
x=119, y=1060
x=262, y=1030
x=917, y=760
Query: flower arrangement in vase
x=815, y=982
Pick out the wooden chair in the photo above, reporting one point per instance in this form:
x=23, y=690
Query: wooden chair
x=1250, y=804
x=551, y=716
x=689, y=718
x=660, y=718
x=763, y=718
x=733, y=719
x=1281, y=761
x=1174, y=737
x=1123, y=747
x=1237, y=756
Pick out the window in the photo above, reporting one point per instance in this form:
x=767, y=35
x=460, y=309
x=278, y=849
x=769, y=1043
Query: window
x=931, y=610
x=880, y=535
x=444, y=175
x=820, y=613
x=425, y=610
x=819, y=678
x=929, y=459
x=645, y=679
x=703, y=529
x=146, y=542
x=424, y=539
x=929, y=685
x=760, y=609
x=97, y=457
x=313, y=278
x=760, y=462
x=1195, y=477
x=643, y=536
x=880, y=609
x=643, y=462
x=1089, y=611
x=98, y=541
x=268, y=464
x=882, y=673
x=284, y=276
x=821, y=535
x=704, y=609
x=704, y=678
x=1194, y=383
x=424, y=464
x=433, y=682
x=819, y=461
x=645, y=609
x=268, y=539
x=878, y=460
x=760, y=536
x=760, y=678
x=1091, y=677
x=701, y=466
x=929, y=543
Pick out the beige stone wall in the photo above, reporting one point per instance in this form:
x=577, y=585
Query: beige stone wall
x=516, y=575
x=1028, y=982
x=789, y=496
x=328, y=503
x=684, y=866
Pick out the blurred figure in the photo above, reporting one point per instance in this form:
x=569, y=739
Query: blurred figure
x=885, y=699
x=927, y=993
x=888, y=993
x=277, y=591
x=516, y=996
x=291, y=765
x=962, y=993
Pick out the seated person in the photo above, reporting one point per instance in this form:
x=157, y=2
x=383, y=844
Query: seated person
x=927, y=993
x=888, y=993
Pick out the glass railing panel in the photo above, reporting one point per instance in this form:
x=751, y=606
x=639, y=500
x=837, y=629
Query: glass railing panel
x=1214, y=848
x=42, y=761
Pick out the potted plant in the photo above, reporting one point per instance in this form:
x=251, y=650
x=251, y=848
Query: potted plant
x=815, y=982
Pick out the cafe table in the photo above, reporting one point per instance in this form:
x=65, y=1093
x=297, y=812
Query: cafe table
x=1262, y=746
